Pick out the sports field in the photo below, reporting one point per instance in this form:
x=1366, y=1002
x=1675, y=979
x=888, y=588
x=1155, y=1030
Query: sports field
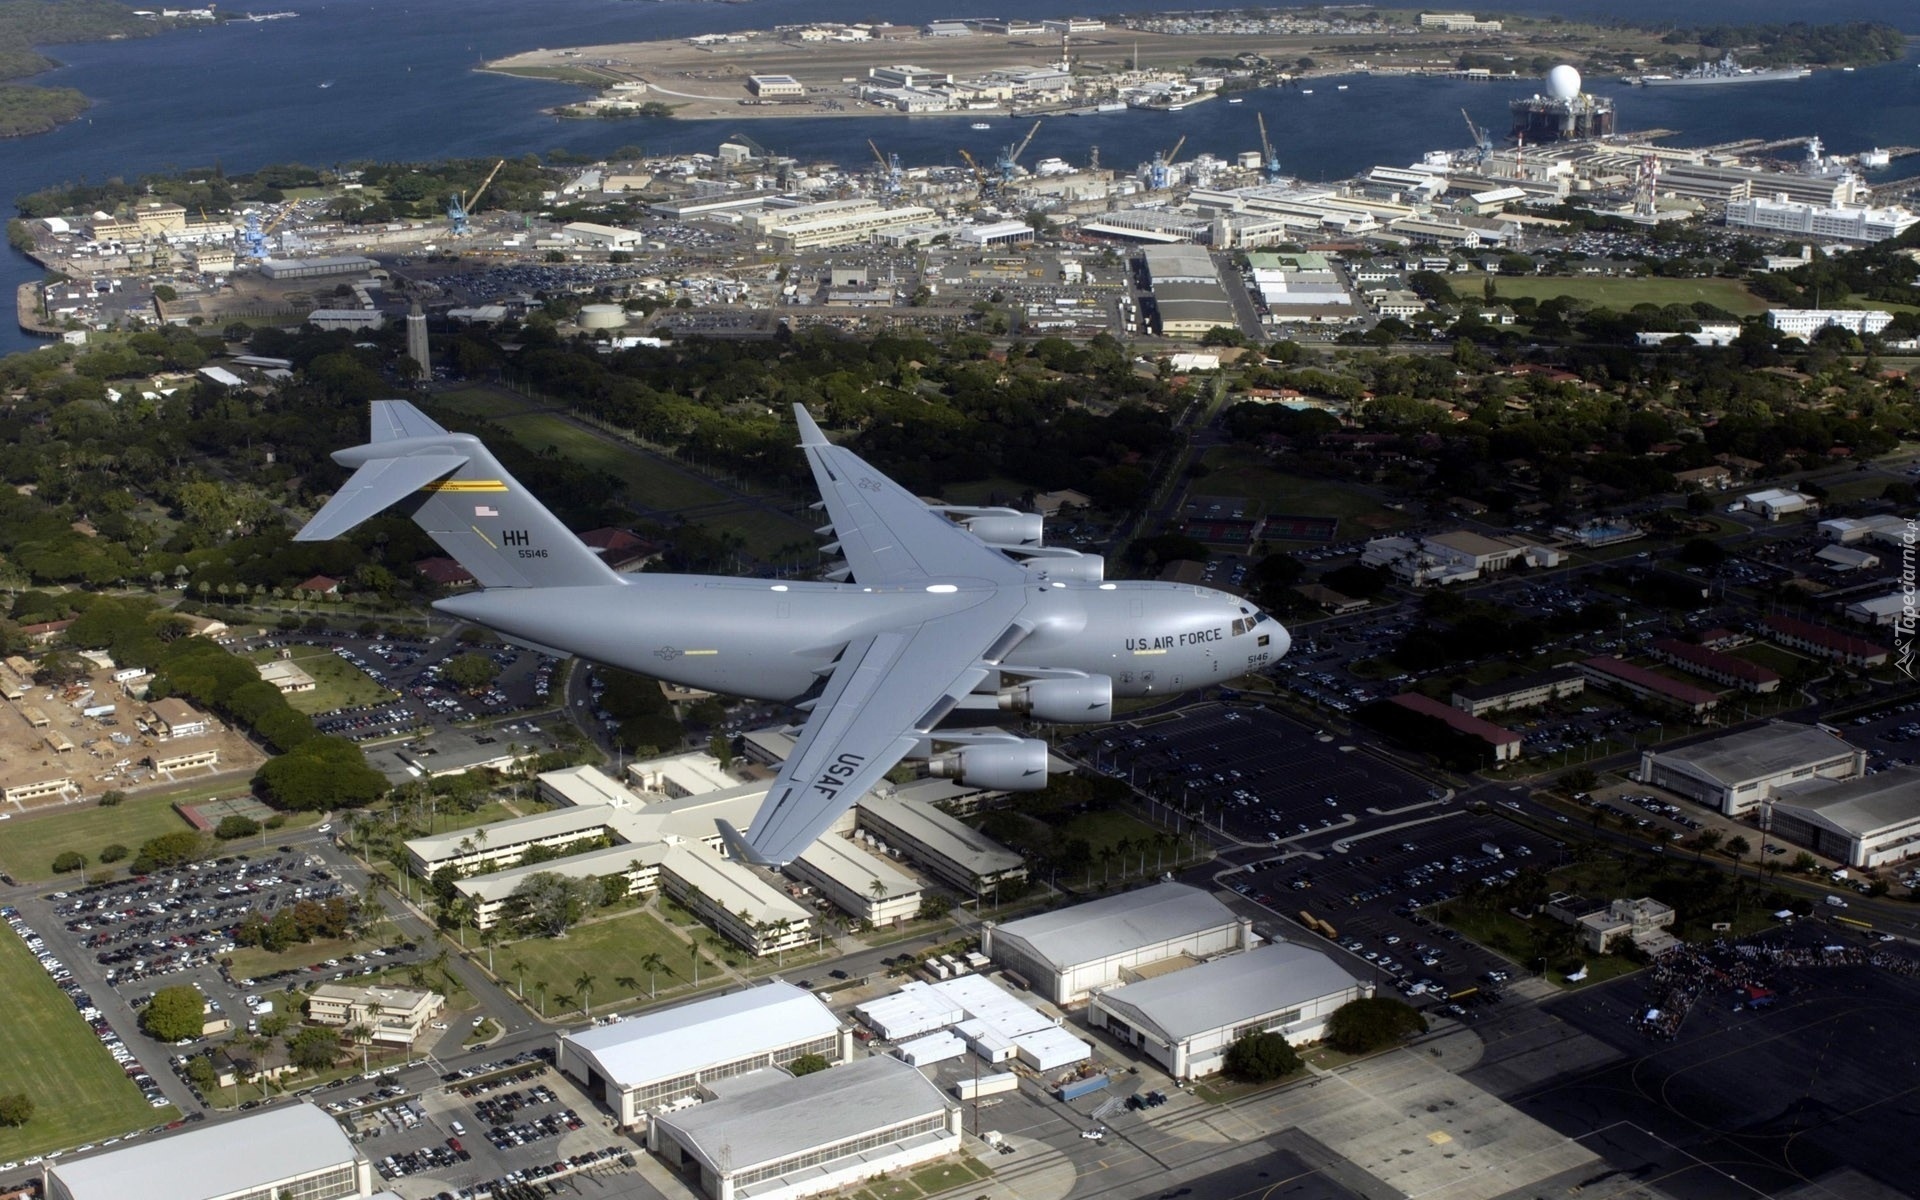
x=32, y=842
x=46, y=1050
x=1236, y=472
x=1622, y=294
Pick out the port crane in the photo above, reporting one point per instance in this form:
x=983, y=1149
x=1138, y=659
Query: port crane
x=256, y=233
x=1269, y=158
x=979, y=175
x=889, y=168
x=1160, y=174
x=1482, y=139
x=1010, y=156
x=459, y=206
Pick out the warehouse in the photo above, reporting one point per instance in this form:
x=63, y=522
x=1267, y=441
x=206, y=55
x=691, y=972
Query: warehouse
x=1065, y=954
x=292, y=1150
x=311, y=268
x=642, y=1065
x=1865, y=822
x=775, y=1138
x=1185, y=1021
x=1734, y=773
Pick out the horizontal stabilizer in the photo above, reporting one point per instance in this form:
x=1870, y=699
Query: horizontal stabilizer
x=375, y=487
x=736, y=842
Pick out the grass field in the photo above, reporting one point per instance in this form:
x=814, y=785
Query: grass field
x=1774, y=658
x=337, y=682
x=1622, y=294
x=31, y=843
x=46, y=1050
x=765, y=532
x=608, y=950
x=1233, y=472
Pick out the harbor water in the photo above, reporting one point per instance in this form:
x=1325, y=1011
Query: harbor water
x=403, y=87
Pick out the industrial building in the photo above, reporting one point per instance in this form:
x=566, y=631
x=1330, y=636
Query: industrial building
x=831, y=223
x=1186, y=291
x=1186, y=1020
x=1063, y=955
x=1738, y=771
x=986, y=1018
x=769, y=87
x=771, y=1136
x=643, y=1065
x=1864, y=822
x=1889, y=529
x=314, y=268
x=290, y=1150
x=1455, y=556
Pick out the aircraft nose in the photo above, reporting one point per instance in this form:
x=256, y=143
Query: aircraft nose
x=1283, y=642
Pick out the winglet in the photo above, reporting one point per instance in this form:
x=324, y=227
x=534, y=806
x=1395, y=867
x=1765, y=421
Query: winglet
x=737, y=843
x=810, y=434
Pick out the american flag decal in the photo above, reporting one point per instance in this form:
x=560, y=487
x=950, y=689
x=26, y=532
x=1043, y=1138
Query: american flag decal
x=482, y=510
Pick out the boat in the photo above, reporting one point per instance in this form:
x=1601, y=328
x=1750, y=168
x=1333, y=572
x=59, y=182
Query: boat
x=1341, y=88
x=1727, y=70
x=979, y=125
x=1236, y=100
x=327, y=83
x=1306, y=91
x=1110, y=106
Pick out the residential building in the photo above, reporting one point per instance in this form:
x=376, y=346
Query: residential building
x=1186, y=1021
x=1823, y=642
x=394, y=1016
x=1736, y=772
x=1501, y=744
x=1521, y=691
x=1841, y=223
x=1644, y=922
x=1727, y=670
x=1803, y=323
x=1621, y=675
x=864, y=885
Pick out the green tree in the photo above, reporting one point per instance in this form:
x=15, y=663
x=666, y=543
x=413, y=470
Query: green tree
x=174, y=1013
x=313, y=1048
x=235, y=826
x=68, y=860
x=113, y=852
x=470, y=671
x=16, y=1108
x=1360, y=1026
x=1261, y=1058
x=807, y=1064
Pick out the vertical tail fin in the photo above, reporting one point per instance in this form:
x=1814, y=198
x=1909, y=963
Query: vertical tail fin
x=454, y=489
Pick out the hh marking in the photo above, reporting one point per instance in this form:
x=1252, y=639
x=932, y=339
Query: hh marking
x=514, y=537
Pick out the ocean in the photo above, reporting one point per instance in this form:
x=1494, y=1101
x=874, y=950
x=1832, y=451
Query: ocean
x=403, y=88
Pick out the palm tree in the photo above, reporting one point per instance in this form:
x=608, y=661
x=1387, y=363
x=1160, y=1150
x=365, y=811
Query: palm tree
x=651, y=962
x=518, y=966
x=694, y=946
x=585, y=983
x=540, y=985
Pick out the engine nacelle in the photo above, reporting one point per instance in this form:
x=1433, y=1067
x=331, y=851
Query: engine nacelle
x=1002, y=766
x=1071, y=566
x=1016, y=529
x=1084, y=701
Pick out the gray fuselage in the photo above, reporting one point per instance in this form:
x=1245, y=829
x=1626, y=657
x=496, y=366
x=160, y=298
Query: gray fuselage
x=771, y=640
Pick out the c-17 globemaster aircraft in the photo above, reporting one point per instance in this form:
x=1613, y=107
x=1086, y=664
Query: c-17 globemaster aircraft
x=938, y=612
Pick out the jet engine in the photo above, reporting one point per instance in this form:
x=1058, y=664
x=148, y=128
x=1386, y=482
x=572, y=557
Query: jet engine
x=1079, y=701
x=1070, y=565
x=1015, y=766
x=1007, y=528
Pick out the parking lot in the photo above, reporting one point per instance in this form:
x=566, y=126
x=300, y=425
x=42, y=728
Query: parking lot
x=1259, y=776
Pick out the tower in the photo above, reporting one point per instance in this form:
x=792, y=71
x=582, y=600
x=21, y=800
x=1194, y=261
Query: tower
x=417, y=340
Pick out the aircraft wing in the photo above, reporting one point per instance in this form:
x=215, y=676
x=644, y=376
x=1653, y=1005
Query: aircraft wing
x=888, y=689
x=885, y=532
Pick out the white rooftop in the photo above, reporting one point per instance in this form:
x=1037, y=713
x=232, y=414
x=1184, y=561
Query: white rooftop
x=856, y=870
x=679, y=1041
x=587, y=787
x=733, y=886
x=797, y=1115
x=1116, y=925
x=1229, y=991
x=1771, y=749
x=217, y=1159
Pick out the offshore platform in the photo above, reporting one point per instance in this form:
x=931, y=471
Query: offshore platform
x=1564, y=113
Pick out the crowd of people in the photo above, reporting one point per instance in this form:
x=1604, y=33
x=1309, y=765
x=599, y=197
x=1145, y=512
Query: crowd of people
x=1685, y=975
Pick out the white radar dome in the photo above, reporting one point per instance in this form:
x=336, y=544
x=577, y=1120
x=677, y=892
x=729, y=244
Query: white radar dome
x=1563, y=82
